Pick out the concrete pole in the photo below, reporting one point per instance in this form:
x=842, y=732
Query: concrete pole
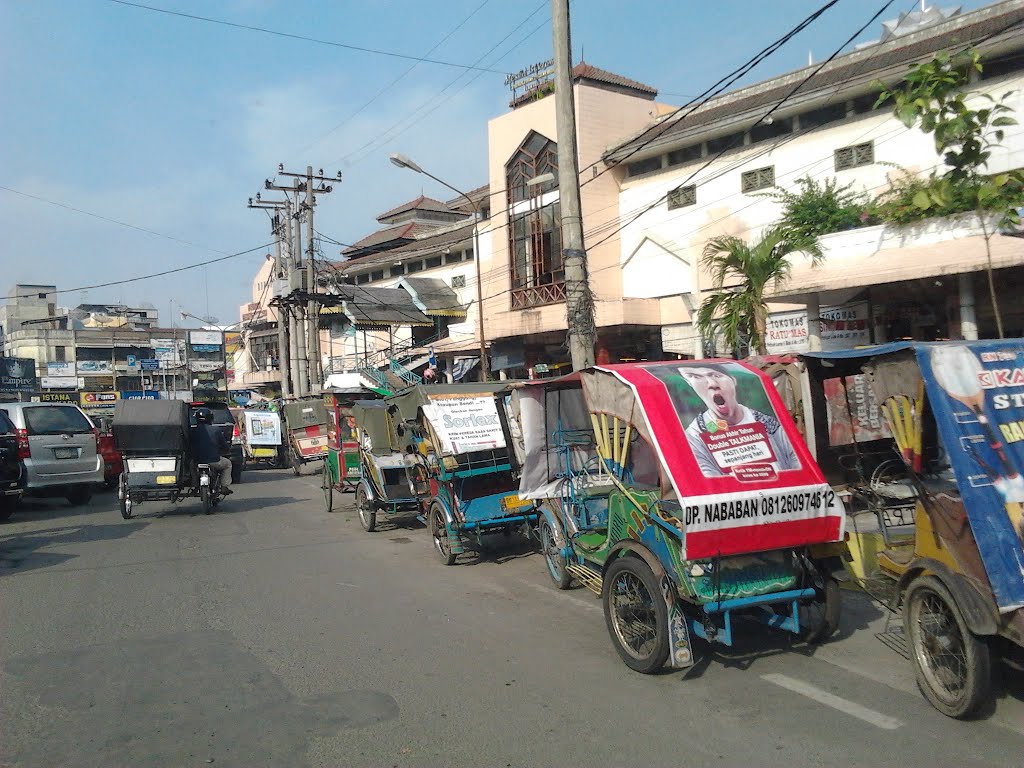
x=301, y=330
x=312, y=312
x=579, y=305
x=294, y=336
x=968, y=318
x=813, y=323
x=283, y=355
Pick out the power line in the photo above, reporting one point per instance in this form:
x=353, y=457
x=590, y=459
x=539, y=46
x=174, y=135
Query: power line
x=394, y=82
x=435, y=101
x=108, y=219
x=332, y=43
x=146, y=277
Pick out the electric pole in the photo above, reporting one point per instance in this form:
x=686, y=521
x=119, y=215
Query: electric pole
x=579, y=302
x=304, y=183
x=278, y=228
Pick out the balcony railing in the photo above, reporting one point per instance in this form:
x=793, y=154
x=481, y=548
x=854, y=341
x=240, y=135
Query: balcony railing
x=538, y=295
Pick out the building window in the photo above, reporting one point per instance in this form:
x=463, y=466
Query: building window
x=761, y=178
x=680, y=197
x=537, y=248
x=831, y=113
x=724, y=143
x=458, y=281
x=414, y=266
x=433, y=261
x=377, y=274
x=640, y=167
x=684, y=155
x=452, y=258
x=397, y=269
x=536, y=156
x=765, y=130
x=855, y=156
x=363, y=278
x=469, y=255
x=60, y=354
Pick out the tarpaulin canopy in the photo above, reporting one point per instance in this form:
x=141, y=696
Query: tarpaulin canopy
x=151, y=426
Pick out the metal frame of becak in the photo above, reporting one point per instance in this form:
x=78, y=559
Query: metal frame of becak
x=675, y=545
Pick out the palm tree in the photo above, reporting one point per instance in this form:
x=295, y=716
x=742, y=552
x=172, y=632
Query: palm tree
x=740, y=311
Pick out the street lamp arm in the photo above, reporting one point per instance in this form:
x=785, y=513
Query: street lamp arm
x=459, y=192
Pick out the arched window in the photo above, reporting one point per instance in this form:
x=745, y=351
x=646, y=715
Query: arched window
x=535, y=237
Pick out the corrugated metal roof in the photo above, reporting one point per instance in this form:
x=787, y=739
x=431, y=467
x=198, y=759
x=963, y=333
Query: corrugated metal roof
x=433, y=295
x=380, y=306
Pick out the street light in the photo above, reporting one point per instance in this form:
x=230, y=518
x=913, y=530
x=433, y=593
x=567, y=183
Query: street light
x=401, y=161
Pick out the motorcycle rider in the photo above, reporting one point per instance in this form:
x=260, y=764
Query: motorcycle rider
x=209, y=444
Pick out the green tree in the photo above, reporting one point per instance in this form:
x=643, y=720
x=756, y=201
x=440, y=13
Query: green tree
x=740, y=273
x=934, y=98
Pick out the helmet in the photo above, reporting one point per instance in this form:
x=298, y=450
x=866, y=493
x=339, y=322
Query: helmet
x=204, y=416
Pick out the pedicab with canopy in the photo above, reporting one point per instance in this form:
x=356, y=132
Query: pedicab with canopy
x=391, y=479
x=927, y=441
x=682, y=494
x=462, y=439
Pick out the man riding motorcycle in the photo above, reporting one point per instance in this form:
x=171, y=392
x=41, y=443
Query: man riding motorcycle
x=209, y=445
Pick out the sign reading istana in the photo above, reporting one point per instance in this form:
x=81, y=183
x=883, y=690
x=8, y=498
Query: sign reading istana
x=465, y=422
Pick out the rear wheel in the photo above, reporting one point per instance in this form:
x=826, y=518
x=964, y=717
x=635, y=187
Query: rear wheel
x=819, y=619
x=636, y=615
x=207, y=498
x=439, y=532
x=952, y=665
x=367, y=514
x=236, y=473
x=79, y=495
x=296, y=462
x=328, y=485
x=553, y=555
x=124, y=497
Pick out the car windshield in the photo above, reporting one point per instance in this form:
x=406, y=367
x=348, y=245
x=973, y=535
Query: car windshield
x=6, y=425
x=220, y=415
x=56, y=420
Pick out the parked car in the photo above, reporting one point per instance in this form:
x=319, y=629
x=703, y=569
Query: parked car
x=58, y=448
x=225, y=420
x=10, y=467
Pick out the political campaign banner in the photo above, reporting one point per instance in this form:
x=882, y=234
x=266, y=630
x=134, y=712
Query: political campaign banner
x=976, y=392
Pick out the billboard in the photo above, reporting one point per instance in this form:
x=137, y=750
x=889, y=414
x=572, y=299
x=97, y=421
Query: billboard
x=842, y=327
x=60, y=369
x=60, y=382
x=94, y=368
x=977, y=394
x=18, y=374
x=99, y=399
x=206, y=337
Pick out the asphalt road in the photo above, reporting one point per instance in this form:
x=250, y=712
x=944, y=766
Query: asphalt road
x=274, y=634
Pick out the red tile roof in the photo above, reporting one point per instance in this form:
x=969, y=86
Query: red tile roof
x=421, y=203
x=406, y=231
x=588, y=72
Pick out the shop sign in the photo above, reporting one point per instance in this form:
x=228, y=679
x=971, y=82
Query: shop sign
x=94, y=368
x=60, y=369
x=139, y=395
x=99, y=399
x=57, y=397
x=206, y=347
x=18, y=374
x=59, y=382
x=205, y=365
x=205, y=337
x=842, y=327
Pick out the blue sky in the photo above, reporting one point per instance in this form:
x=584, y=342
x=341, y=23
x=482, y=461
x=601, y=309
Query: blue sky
x=170, y=124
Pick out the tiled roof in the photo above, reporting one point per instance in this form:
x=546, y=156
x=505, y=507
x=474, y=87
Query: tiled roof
x=479, y=195
x=862, y=65
x=423, y=245
x=421, y=203
x=584, y=71
x=589, y=72
x=400, y=232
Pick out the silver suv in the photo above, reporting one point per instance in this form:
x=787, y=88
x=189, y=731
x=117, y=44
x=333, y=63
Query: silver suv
x=58, y=450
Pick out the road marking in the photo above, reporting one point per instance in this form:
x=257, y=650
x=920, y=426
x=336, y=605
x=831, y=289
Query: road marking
x=346, y=584
x=876, y=719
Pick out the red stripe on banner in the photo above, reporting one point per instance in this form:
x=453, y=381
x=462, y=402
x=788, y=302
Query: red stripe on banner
x=761, y=538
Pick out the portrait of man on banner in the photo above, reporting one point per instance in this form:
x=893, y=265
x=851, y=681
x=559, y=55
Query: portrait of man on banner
x=729, y=421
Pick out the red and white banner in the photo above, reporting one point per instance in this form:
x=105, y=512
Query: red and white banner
x=744, y=477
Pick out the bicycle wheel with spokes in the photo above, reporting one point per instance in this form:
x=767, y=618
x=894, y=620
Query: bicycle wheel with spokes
x=952, y=665
x=636, y=615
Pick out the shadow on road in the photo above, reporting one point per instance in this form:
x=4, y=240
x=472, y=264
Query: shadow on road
x=20, y=552
x=191, y=507
x=30, y=509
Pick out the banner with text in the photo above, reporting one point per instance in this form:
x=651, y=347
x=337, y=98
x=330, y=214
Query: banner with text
x=465, y=423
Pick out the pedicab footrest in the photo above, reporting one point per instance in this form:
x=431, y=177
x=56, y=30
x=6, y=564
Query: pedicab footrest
x=586, y=576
